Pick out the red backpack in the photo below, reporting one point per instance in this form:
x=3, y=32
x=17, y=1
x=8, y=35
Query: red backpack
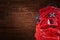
x=48, y=27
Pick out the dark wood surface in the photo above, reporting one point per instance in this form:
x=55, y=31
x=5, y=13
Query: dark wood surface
x=17, y=18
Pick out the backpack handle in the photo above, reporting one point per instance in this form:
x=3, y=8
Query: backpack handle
x=52, y=4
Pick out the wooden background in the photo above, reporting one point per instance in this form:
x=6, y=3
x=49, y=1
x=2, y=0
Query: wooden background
x=17, y=18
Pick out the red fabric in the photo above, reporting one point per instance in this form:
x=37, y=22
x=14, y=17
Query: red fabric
x=46, y=31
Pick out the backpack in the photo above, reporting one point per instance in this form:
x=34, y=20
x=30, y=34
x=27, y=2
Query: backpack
x=48, y=26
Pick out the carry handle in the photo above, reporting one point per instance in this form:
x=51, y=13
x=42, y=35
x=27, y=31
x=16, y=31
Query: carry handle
x=52, y=4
